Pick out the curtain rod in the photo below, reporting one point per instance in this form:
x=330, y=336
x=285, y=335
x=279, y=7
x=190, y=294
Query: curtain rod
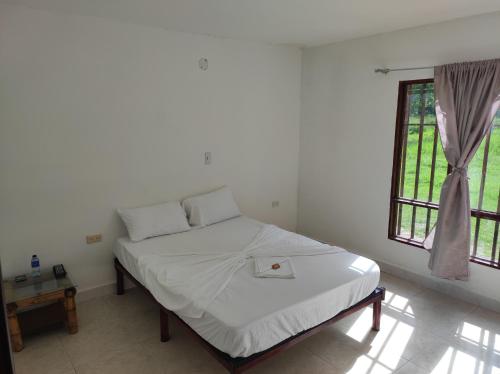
x=387, y=70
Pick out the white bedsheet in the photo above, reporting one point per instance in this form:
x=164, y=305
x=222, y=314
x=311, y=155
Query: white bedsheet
x=188, y=280
x=252, y=314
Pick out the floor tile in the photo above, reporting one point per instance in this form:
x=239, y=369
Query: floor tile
x=181, y=354
x=355, y=353
x=43, y=354
x=129, y=361
x=411, y=368
x=401, y=287
x=296, y=360
x=422, y=331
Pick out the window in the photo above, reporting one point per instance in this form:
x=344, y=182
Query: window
x=419, y=170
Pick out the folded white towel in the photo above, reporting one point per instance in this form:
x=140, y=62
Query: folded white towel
x=283, y=269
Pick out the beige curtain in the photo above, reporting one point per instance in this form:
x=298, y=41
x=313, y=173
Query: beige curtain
x=467, y=99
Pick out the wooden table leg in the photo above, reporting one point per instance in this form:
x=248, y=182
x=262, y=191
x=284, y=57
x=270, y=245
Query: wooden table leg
x=70, y=308
x=16, y=338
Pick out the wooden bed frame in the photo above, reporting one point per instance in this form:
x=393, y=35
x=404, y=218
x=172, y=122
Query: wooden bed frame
x=239, y=364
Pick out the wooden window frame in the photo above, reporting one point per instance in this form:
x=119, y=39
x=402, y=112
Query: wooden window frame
x=396, y=201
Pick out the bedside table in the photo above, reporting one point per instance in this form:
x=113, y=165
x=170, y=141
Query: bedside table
x=45, y=289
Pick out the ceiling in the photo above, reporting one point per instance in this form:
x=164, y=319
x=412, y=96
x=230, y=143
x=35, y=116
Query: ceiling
x=296, y=22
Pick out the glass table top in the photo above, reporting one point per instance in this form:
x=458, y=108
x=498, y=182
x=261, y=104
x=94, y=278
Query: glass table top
x=35, y=286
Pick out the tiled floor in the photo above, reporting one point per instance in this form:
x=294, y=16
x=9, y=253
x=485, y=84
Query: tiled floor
x=422, y=332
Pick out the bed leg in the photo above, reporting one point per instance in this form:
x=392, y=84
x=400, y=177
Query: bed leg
x=377, y=312
x=164, y=332
x=235, y=370
x=119, y=281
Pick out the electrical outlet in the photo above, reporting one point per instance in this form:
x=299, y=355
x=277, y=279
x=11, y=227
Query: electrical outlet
x=91, y=239
x=208, y=158
x=275, y=204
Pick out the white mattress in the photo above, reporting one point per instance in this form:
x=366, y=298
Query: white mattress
x=252, y=314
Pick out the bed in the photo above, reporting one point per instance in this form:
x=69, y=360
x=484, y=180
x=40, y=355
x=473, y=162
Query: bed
x=247, y=322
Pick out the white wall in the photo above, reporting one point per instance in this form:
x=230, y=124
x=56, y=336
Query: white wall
x=96, y=114
x=347, y=133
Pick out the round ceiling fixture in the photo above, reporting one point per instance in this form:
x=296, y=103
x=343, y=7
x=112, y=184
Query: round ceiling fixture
x=203, y=63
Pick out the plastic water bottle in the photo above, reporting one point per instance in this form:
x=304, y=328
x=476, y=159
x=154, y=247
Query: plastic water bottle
x=35, y=266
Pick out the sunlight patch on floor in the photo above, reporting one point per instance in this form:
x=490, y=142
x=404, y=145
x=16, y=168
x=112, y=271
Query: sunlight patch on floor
x=473, y=334
x=398, y=303
x=391, y=350
x=495, y=370
x=387, y=347
x=361, y=327
x=365, y=365
x=455, y=361
x=458, y=362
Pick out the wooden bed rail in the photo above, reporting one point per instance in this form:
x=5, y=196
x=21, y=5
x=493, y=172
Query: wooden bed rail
x=240, y=364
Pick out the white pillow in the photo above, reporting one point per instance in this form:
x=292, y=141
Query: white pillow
x=154, y=220
x=213, y=207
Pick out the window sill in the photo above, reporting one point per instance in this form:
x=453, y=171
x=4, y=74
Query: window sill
x=416, y=243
